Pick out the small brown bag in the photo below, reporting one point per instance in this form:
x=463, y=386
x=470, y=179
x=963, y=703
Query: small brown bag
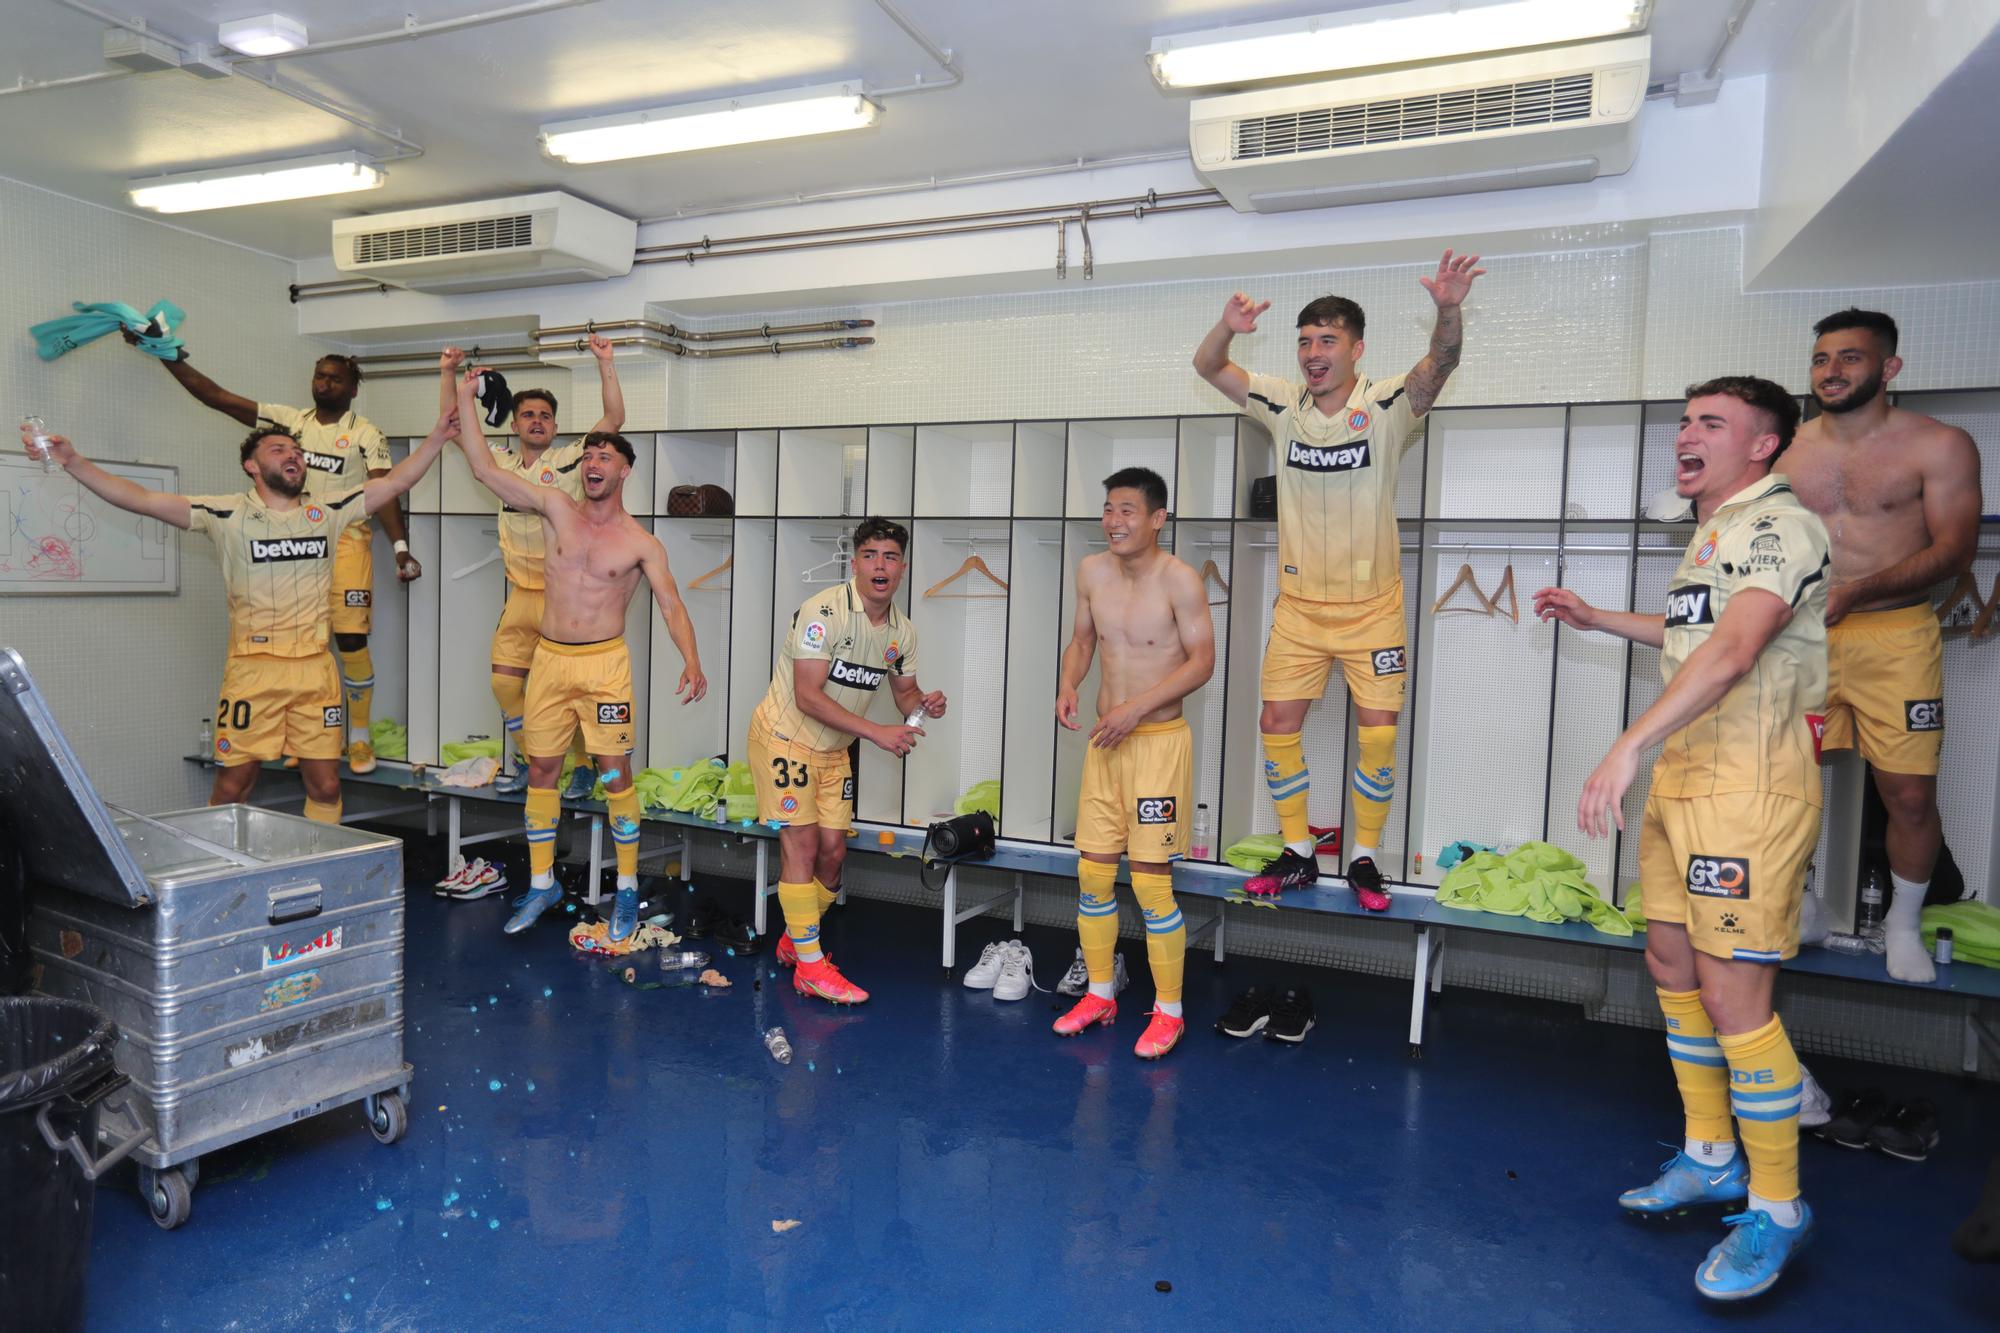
x=698, y=502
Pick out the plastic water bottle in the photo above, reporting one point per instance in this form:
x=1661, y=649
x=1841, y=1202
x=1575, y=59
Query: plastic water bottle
x=1198, y=835
x=207, y=750
x=682, y=960
x=780, y=1049
x=916, y=717
x=1852, y=945
x=38, y=448
x=1871, y=900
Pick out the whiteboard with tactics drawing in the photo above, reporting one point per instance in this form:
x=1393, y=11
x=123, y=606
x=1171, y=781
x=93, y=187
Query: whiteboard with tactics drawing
x=58, y=538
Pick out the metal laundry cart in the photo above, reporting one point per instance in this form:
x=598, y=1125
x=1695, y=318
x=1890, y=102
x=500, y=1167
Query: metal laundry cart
x=252, y=960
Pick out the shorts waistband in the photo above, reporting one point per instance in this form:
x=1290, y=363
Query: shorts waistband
x=580, y=649
x=1895, y=617
x=1391, y=592
x=1160, y=728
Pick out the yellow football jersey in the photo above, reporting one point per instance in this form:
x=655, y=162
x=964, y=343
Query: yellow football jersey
x=560, y=468
x=1759, y=737
x=832, y=626
x=1337, y=538
x=339, y=455
x=277, y=566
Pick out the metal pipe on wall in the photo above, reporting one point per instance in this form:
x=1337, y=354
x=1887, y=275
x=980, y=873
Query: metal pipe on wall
x=646, y=341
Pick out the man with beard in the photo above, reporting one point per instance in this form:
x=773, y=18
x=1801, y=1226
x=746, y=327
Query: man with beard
x=594, y=554
x=338, y=446
x=280, y=692
x=1899, y=493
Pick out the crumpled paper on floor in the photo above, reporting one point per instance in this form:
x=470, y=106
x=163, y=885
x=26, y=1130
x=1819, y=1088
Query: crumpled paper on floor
x=595, y=937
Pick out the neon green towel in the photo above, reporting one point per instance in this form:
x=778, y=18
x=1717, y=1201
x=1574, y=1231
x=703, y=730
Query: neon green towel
x=1975, y=931
x=739, y=794
x=1536, y=880
x=452, y=752
x=980, y=796
x=1255, y=852
x=390, y=738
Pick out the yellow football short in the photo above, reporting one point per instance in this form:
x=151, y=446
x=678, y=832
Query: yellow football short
x=1885, y=681
x=1139, y=798
x=800, y=786
x=1731, y=868
x=353, y=602
x=273, y=706
x=520, y=628
x=573, y=685
x=1366, y=638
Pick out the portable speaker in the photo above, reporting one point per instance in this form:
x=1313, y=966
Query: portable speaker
x=1264, y=497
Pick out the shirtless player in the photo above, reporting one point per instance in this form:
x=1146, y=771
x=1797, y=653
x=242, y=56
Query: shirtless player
x=595, y=554
x=1899, y=494
x=1147, y=610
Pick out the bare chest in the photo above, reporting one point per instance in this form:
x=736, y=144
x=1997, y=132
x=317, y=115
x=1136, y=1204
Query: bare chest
x=1140, y=618
x=599, y=554
x=1860, y=481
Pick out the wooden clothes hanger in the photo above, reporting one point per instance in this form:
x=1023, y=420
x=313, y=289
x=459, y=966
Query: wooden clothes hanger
x=1212, y=573
x=973, y=565
x=1507, y=586
x=1465, y=579
x=703, y=581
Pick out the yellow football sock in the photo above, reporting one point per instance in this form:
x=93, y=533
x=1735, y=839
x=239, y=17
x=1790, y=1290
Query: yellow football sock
x=1699, y=1067
x=801, y=907
x=511, y=693
x=1285, y=774
x=1166, y=933
x=624, y=809
x=1764, y=1089
x=1374, y=783
x=1097, y=917
x=543, y=809
x=826, y=897
x=323, y=812
x=357, y=676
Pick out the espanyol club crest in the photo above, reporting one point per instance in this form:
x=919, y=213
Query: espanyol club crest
x=789, y=805
x=315, y=514
x=891, y=653
x=1357, y=420
x=1707, y=551
x=222, y=744
x=548, y=477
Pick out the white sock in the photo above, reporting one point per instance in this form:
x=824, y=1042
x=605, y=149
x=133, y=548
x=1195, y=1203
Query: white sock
x=1907, y=959
x=1787, y=1214
x=1103, y=990
x=1359, y=852
x=1304, y=849
x=1171, y=1008
x=628, y=882
x=1711, y=1154
x=540, y=882
x=356, y=732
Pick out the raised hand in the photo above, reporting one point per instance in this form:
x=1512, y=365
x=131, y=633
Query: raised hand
x=1453, y=279
x=600, y=347
x=451, y=359
x=1240, y=313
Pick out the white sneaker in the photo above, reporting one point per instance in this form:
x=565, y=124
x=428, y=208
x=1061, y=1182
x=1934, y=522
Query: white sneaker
x=1815, y=1107
x=1077, y=980
x=982, y=974
x=445, y=886
x=480, y=879
x=1017, y=973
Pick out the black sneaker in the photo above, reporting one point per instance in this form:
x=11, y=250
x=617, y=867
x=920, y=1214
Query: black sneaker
x=1291, y=1016
x=1909, y=1133
x=1289, y=871
x=1854, y=1116
x=1246, y=1017
x=1365, y=878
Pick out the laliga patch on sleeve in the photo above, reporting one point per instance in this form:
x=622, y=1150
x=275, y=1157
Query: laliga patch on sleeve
x=614, y=715
x=359, y=596
x=1389, y=661
x=1923, y=715
x=1156, y=810
x=1719, y=876
x=814, y=637
x=334, y=716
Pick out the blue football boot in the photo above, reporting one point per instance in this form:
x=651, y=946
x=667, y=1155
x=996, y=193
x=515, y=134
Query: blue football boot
x=1751, y=1256
x=624, y=914
x=1685, y=1183
x=537, y=902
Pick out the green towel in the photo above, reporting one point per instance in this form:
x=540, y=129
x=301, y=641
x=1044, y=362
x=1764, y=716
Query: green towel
x=1536, y=880
x=739, y=794
x=452, y=752
x=1255, y=852
x=390, y=738
x=1975, y=931
x=980, y=796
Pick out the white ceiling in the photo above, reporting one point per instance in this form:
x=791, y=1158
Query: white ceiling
x=1046, y=81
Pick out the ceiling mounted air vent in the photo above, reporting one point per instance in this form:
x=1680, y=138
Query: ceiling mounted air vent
x=1426, y=116
x=482, y=236
x=526, y=241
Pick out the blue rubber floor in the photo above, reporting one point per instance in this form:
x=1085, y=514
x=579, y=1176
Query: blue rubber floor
x=586, y=1154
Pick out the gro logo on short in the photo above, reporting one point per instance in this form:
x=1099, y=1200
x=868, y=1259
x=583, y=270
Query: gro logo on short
x=1924, y=715
x=614, y=715
x=847, y=788
x=1719, y=876
x=1156, y=809
x=332, y=717
x=359, y=597
x=1389, y=661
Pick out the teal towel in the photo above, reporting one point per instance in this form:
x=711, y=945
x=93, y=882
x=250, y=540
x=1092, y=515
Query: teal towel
x=94, y=319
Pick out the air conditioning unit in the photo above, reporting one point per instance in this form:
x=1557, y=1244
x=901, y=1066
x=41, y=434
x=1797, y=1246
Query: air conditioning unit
x=530, y=240
x=1545, y=117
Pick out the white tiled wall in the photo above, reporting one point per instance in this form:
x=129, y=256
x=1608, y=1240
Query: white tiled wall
x=129, y=677
x=1618, y=323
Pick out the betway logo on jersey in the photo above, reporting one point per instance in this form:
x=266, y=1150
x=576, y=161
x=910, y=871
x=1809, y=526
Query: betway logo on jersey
x=855, y=675
x=324, y=462
x=1693, y=604
x=263, y=551
x=1343, y=458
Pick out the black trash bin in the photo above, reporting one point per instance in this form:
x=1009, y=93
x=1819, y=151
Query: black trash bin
x=55, y=1067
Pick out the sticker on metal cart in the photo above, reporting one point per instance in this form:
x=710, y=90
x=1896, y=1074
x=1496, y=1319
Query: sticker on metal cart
x=290, y=990
x=289, y=952
x=307, y=1030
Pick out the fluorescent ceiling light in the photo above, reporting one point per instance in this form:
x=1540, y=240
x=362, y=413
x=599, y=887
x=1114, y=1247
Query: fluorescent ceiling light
x=265, y=35
x=679, y=129
x=259, y=183
x=1391, y=34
